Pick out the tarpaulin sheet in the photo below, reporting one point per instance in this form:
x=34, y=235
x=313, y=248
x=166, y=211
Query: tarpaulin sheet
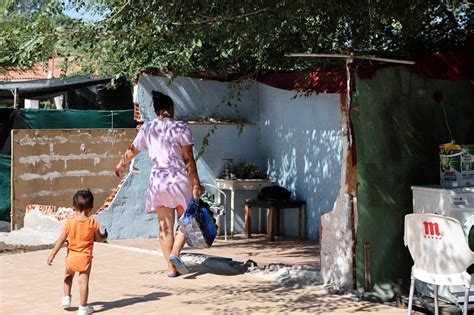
x=398, y=124
x=70, y=118
x=9, y=119
x=5, y=186
x=46, y=88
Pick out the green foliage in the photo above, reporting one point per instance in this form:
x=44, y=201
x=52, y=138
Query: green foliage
x=248, y=171
x=205, y=141
x=47, y=104
x=242, y=37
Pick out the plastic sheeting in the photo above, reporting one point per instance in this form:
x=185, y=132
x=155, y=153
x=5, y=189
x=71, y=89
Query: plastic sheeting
x=9, y=119
x=79, y=93
x=5, y=186
x=48, y=88
x=70, y=119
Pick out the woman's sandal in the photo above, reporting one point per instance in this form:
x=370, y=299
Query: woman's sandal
x=179, y=265
x=174, y=275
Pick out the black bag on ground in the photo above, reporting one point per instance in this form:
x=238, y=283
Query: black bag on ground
x=274, y=193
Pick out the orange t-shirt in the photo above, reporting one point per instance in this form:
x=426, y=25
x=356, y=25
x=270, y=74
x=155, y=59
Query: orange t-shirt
x=80, y=238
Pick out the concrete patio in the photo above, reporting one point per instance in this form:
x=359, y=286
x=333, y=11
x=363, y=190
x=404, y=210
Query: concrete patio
x=128, y=277
x=286, y=251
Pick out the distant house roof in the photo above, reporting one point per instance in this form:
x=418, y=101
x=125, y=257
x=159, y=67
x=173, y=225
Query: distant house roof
x=43, y=70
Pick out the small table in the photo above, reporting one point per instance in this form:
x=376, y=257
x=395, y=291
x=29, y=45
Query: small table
x=236, y=185
x=274, y=216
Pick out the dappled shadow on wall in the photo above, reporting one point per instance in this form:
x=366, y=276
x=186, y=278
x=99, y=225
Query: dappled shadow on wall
x=308, y=163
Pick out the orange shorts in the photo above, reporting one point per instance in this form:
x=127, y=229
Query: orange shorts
x=77, y=262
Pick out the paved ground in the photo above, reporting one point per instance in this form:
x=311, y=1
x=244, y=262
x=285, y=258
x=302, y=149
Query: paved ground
x=130, y=281
x=287, y=251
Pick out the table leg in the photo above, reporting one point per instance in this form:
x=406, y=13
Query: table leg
x=272, y=224
x=232, y=212
x=300, y=236
x=277, y=221
x=248, y=221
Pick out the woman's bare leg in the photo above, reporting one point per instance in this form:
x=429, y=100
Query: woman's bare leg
x=179, y=239
x=166, y=223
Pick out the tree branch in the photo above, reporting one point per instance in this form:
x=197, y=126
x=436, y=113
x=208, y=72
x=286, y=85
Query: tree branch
x=212, y=21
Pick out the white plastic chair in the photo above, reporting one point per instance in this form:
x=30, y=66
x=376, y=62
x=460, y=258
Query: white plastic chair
x=441, y=254
x=218, y=204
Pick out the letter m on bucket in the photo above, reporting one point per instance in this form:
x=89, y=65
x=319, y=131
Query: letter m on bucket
x=431, y=229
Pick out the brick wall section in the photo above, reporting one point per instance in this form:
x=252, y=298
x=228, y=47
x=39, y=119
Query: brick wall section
x=49, y=166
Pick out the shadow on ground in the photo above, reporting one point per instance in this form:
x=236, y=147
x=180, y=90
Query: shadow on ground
x=109, y=305
x=272, y=298
x=203, y=265
x=283, y=250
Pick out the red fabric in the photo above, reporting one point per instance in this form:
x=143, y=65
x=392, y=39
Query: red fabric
x=453, y=65
x=321, y=81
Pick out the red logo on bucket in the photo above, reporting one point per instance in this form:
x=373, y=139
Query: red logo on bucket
x=449, y=173
x=432, y=230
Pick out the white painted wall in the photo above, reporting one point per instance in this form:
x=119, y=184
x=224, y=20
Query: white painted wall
x=301, y=145
x=296, y=141
x=193, y=98
x=199, y=98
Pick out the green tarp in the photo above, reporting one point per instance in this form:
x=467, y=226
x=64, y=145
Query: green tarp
x=71, y=119
x=5, y=186
x=398, y=126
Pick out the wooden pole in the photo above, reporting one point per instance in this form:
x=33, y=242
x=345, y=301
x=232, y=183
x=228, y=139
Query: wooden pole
x=351, y=56
x=15, y=98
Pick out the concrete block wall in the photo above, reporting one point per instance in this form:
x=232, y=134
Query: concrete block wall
x=49, y=166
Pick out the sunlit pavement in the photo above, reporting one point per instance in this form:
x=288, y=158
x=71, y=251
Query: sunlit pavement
x=126, y=281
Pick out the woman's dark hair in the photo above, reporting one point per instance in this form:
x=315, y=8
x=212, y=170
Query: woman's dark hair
x=161, y=101
x=83, y=200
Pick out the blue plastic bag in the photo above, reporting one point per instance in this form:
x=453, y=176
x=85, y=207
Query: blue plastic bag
x=198, y=225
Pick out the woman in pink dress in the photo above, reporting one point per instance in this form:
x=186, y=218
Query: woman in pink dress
x=174, y=180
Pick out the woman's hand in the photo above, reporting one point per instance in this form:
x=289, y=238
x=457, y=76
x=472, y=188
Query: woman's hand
x=119, y=169
x=198, y=190
x=127, y=157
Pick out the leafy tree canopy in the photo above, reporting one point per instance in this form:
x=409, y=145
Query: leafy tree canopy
x=224, y=36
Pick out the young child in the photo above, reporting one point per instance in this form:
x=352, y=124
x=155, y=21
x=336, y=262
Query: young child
x=80, y=233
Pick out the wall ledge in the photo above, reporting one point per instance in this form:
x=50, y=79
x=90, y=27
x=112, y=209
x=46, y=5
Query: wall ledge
x=217, y=122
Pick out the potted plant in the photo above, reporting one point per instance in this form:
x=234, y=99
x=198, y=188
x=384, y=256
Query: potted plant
x=248, y=171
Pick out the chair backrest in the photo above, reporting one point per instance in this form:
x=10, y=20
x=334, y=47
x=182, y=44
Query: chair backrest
x=437, y=243
x=218, y=196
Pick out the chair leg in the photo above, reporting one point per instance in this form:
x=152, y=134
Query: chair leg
x=248, y=221
x=466, y=301
x=436, y=300
x=225, y=226
x=410, y=297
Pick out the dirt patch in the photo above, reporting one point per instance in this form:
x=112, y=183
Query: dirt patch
x=8, y=249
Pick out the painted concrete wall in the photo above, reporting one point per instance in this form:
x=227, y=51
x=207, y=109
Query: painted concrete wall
x=199, y=98
x=295, y=140
x=193, y=98
x=49, y=166
x=300, y=139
